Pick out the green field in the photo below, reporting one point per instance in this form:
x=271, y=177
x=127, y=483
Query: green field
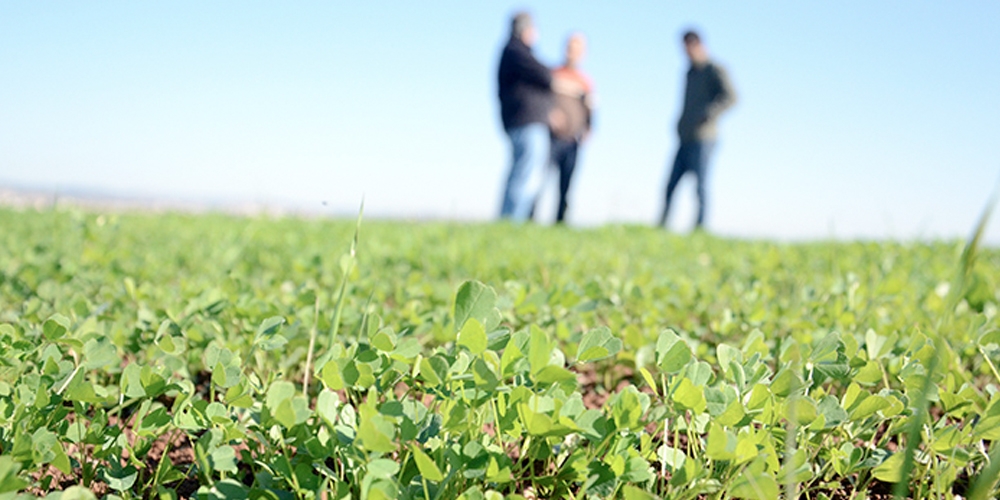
x=209, y=356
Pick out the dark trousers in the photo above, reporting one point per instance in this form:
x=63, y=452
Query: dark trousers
x=564, y=158
x=691, y=157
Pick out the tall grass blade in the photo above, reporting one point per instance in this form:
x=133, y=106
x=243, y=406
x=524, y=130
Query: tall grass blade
x=352, y=256
x=986, y=482
x=965, y=267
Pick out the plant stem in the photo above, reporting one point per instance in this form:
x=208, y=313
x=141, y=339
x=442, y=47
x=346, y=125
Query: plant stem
x=993, y=367
x=312, y=344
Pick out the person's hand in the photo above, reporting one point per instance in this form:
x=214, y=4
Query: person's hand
x=558, y=120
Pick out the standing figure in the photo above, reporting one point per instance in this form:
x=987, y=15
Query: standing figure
x=571, y=117
x=708, y=93
x=525, y=87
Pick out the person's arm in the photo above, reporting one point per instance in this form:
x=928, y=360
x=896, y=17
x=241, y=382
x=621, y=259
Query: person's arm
x=724, y=98
x=588, y=104
x=532, y=72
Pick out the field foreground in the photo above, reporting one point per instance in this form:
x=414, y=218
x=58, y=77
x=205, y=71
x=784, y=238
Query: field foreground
x=175, y=356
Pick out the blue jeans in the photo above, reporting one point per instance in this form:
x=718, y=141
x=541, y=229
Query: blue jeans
x=530, y=157
x=691, y=157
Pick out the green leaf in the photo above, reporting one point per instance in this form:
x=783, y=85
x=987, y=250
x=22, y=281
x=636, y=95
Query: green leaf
x=77, y=493
x=223, y=458
x=272, y=343
x=78, y=389
x=376, y=432
x=332, y=376
x=650, y=382
x=727, y=354
x=988, y=428
x=214, y=454
x=131, y=381
x=637, y=470
x=869, y=374
x=120, y=478
x=56, y=326
x=891, y=470
x=434, y=370
x=802, y=407
x=384, y=341
x=596, y=344
x=99, y=353
x=746, y=448
x=229, y=489
x=484, y=376
x=328, y=406
x=690, y=396
x=672, y=353
x=721, y=443
x=600, y=481
x=267, y=338
x=554, y=375
x=219, y=375
x=428, y=469
x=785, y=382
x=627, y=408
x=46, y=449
x=270, y=326
x=878, y=346
x=476, y=300
x=291, y=412
x=383, y=468
x=407, y=349
x=829, y=408
x=699, y=372
x=9, y=480
x=755, y=485
x=732, y=415
x=537, y=424
x=630, y=492
x=593, y=424
x=868, y=407
x=473, y=336
x=539, y=350
x=279, y=391
x=673, y=457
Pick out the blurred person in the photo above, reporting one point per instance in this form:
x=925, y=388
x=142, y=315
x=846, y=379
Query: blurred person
x=525, y=88
x=707, y=94
x=571, y=117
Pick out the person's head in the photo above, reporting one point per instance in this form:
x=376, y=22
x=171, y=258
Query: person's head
x=576, y=47
x=522, y=27
x=693, y=47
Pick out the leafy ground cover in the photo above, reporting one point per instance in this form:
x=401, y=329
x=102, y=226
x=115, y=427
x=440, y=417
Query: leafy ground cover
x=174, y=356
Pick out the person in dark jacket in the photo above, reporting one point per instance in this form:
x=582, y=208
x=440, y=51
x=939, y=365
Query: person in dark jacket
x=525, y=102
x=707, y=94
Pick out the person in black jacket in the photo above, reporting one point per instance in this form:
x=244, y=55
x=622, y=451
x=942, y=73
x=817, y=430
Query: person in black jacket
x=525, y=102
x=707, y=94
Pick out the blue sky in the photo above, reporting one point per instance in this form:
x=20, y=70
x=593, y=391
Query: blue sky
x=856, y=118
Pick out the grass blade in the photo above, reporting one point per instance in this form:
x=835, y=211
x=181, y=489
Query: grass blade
x=966, y=263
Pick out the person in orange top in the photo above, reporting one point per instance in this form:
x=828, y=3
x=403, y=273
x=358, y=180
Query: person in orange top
x=571, y=117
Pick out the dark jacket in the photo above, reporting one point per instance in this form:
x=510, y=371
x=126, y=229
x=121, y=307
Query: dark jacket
x=707, y=95
x=524, y=85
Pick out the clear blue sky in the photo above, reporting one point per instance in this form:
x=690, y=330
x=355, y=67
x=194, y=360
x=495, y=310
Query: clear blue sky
x=855, y=119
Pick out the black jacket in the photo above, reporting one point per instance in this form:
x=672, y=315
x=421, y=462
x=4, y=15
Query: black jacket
x=524, y=85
